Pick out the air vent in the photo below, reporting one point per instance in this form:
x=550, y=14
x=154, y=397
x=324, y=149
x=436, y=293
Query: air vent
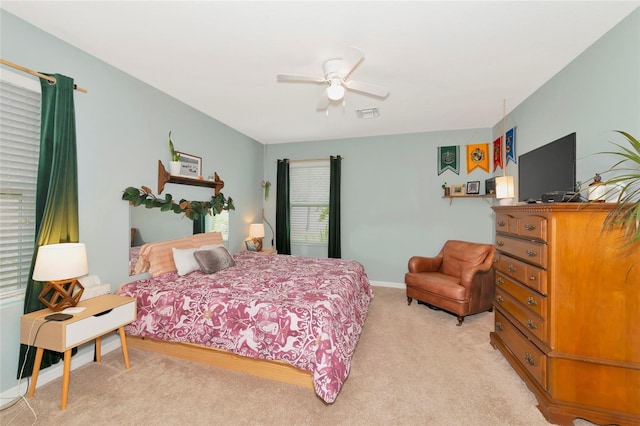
x=368, y=113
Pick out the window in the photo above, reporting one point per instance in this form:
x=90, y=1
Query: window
x=219, y=222
x=19, y=149
x=309, y=202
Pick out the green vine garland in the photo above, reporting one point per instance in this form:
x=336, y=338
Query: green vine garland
x=191, y=209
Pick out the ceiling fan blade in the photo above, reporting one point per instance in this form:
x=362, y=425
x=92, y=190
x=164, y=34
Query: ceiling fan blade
x=367, y=88
x=350, y=61
x=303, y=78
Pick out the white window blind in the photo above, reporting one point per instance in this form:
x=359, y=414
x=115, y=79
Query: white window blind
x=309, y=202
x=19, y=149
x=218, y=223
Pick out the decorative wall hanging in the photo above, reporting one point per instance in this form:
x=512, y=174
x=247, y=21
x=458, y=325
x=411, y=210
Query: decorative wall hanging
x=478, y=156
x=448, y=159
x=191, y=209
x=497, y=153
x=511, y=145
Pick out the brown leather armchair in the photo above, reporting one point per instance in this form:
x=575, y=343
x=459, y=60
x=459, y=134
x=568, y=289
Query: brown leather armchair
x=459, y=279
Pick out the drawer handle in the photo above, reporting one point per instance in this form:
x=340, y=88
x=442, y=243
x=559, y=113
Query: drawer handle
x=499, y=299
x=499, y=243
x=501, y=223
x=531, y=253
x=531, y=325
x=499, y=280
x=529, y=359
x=499, y=326
x=531, y=301
x=511, y=268
x=529, y=226
x=532, y=277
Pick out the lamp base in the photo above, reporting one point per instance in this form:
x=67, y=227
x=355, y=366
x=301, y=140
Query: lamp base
x=257, y=242
x=62, y=296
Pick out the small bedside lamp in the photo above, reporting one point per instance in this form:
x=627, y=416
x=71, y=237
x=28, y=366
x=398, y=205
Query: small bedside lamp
x=256, y=233
x=59, y=265
x=505, y=189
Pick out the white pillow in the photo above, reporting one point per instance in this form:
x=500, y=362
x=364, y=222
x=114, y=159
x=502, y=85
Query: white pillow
x=185, y=261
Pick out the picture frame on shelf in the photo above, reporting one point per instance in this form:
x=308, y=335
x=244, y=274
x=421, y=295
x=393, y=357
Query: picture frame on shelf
x=457, y=190
x=190, y=166
x=473, y=187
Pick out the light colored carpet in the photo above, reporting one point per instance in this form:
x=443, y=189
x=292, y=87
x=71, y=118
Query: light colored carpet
x=412, y=366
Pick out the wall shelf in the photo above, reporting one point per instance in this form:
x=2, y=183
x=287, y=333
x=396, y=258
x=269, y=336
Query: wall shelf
x=483, y=196
x=165, y=177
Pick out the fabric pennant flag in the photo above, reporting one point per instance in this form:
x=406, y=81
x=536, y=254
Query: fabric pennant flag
x=511, y=145
x=478, y=156
x=497, y=153
x=448, y=159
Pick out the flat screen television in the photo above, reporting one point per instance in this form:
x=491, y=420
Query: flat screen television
x=552, y=167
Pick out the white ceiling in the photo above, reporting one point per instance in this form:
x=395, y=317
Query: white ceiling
x=448, y=64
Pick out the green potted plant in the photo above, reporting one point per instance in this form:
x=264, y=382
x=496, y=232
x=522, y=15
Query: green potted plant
x=625, y=183
x=174, y=164
x=447, y=190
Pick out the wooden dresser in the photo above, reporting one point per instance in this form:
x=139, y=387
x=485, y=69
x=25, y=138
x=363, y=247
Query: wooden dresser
x=567, y=314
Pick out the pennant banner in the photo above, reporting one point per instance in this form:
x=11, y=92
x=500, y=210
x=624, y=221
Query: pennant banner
x=448, y=159
x=478, y=156
x=497, y=153
x=511, y=145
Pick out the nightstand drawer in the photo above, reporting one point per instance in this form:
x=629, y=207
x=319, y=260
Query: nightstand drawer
x=88, y=328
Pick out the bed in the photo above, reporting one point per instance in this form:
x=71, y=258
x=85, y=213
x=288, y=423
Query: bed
x=288, y=318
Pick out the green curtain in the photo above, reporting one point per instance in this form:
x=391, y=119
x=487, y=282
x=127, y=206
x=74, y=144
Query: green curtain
x=334, y=247
x=198, y=225
x=283, y=215
x=56, y=191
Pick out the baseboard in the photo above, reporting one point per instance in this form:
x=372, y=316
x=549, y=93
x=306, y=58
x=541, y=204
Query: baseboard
x=84, y=356
x=387, y=284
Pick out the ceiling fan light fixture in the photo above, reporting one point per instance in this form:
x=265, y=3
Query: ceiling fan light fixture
x=335, y=92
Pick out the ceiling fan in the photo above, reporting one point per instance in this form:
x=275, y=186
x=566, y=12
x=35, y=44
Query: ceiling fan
x=336, y=75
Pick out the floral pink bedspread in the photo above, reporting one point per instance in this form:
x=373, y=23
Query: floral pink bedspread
x=307, y=312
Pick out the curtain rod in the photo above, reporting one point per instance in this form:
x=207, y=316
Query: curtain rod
x=311, y=159
x=37, y=74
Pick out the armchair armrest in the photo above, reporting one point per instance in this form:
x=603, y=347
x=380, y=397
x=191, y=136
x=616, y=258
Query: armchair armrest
x=470, y=273
x=425, y=264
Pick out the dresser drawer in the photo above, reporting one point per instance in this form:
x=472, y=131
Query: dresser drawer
x=529, y=275
x=530, y=251
x=506, y=224
x=530, y=321
x=533, y=301
x=533, y=227
x=527, y=354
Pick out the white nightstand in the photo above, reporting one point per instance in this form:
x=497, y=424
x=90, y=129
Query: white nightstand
x=102, y=315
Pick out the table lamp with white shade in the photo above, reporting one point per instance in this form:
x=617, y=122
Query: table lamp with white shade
x=256, y=233
x=505, y=189
x=60, y=265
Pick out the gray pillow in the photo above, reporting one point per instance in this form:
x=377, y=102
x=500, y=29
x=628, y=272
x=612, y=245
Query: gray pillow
x=212, y=261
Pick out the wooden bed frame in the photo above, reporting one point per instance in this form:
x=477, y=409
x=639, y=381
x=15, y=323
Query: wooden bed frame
x=267, y=369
